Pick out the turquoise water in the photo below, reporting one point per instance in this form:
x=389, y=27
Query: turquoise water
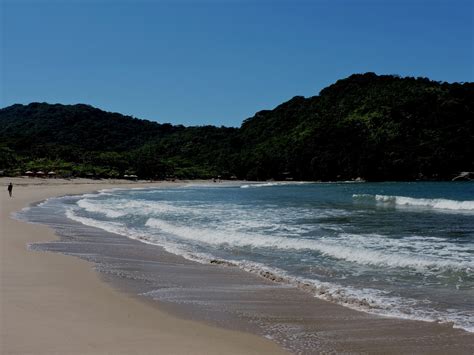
x=396, y=249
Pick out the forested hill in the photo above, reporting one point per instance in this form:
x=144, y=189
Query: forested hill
x=369, y=126
x=375, y=127
x=81, y=140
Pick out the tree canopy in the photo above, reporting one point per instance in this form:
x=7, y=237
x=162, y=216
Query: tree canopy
x=375, y=127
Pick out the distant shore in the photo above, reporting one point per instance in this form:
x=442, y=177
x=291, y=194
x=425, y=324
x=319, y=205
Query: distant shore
x=51, y=303
x=55, y=304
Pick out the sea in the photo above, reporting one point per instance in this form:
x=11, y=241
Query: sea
x=395, y=249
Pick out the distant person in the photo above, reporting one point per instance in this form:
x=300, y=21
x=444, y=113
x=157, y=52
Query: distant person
x=10, y=189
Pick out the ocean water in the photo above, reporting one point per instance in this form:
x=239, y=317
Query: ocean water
x=402, y=250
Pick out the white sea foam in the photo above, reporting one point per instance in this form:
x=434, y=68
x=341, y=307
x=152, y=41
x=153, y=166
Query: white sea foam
x=114, y=227
x=365, y=299
x=122, y=229
x=183, y=227
x=416, y=253
x=368, y=300
x=239, y=227
x=92, y=206
x=229, y=216
x=340, y=248
x=276, y=183
x=436, y=203
x=114, y=208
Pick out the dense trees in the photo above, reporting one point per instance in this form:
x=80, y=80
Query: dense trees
x=376, y=127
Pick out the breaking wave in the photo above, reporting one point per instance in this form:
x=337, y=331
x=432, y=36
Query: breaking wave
x=338, y=248
x=270, y=184
x=436, y=203
x=362, y=299
x=320, y=243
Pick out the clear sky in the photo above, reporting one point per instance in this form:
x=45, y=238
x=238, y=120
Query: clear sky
x=218, y=62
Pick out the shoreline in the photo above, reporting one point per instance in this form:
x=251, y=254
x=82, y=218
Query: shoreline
x=371, y=333
x=54, y=304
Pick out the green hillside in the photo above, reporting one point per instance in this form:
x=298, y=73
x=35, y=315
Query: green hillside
x=369, y=126
x=81, y=140
x=376, y=127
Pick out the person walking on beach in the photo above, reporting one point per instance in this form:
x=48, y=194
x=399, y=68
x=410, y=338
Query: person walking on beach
x=10, y=189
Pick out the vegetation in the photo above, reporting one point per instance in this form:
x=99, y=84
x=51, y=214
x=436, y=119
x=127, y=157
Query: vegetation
x=369, y=126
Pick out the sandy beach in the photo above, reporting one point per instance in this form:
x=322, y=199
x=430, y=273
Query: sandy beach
x=55, y=304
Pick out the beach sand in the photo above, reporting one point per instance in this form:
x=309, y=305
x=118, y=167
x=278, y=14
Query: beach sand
x=52, y=303
x=56, y=304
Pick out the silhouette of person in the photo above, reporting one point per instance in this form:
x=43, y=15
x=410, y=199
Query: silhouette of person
x=10, y=189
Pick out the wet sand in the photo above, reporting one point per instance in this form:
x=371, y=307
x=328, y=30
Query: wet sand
x=213, y=294
x=57, y=304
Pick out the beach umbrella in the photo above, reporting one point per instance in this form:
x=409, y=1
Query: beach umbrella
x=40, y=172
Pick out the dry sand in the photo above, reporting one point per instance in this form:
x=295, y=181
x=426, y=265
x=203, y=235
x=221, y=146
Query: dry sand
x=55, y=304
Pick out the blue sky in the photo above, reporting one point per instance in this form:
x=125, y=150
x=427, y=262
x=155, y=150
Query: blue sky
x=218, y=62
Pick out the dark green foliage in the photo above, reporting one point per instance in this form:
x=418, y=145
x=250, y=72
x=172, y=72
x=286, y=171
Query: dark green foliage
x=79, y=140
x=376, y=127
